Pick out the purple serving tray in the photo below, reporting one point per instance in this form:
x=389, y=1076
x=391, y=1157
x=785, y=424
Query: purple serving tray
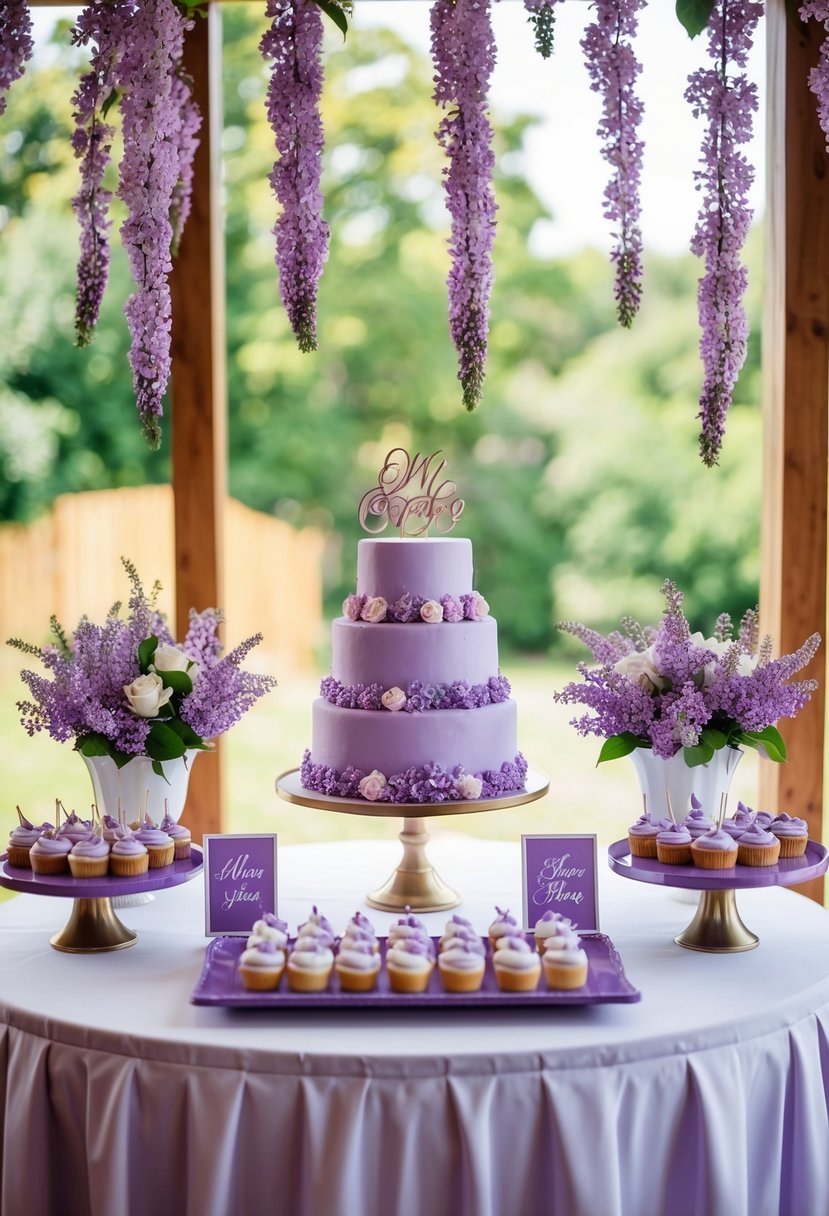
x=17, y=878
x=786, y=872
x=219, y=984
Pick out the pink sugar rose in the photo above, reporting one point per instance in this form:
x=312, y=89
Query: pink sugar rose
x=469, y=786
x=352, y=606
x=372, y=786
x=479, y=606
x=374, y=609
x=432, y=612
x=394, y=699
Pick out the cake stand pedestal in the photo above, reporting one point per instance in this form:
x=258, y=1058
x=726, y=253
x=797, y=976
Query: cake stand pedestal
x=93, y=926
x=415, y=883
x=717, y=927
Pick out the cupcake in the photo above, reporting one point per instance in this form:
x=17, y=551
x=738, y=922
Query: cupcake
x=21, y=840
x=740, y=822
x=269, y=928
x=157, y=843
x=516, y=964
x=696, y=821
x=357, y=965
x=565, y=962
x=127, y=857
x=180, y=836
x=89, y=857
x=503, y=926
x=757, y=847
x=792, y=833
x=409, y=964
x=764, y=818
x=74, y=829
x=642, y=837
x=309, y=965
x=549, y=925
x=716, y=850
x=673, y=845
x=261, y=967
x=50, y=853
x=461, y=966
x=109, y=829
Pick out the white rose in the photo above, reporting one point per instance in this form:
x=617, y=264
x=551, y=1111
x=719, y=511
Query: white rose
x=641, y=670
x=170, y=658
x=469, y=786
x=394, y=699
x=147, y=695
x=374, y=610
x=372, y=786
x=432, y=612
x=480, y=608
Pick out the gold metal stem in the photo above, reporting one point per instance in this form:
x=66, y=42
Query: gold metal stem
x=92, y=928
x=414, y=883
x=717, y=926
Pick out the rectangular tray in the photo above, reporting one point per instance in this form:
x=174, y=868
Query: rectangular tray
x=219, y=984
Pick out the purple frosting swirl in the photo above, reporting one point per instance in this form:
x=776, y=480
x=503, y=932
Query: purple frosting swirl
x=677, y=833
x=788, y=825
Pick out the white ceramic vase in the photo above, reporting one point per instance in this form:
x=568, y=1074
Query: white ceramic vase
x=136, y=785
x=709, y=782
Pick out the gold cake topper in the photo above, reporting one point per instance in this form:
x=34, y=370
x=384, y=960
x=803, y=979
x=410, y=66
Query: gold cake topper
x=410, y=495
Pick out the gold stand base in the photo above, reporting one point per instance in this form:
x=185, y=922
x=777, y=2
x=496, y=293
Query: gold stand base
x=92, y=928
x=717, y=927
x=415, y=883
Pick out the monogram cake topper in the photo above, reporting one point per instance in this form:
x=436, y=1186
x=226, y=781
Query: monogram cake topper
x=410, y=496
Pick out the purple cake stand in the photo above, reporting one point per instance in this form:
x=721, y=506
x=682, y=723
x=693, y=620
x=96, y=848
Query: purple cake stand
x=717, y=926
x=415, y=883
x=93, y=926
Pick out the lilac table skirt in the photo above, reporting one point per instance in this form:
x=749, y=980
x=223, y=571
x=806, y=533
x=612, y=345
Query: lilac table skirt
x=121, y=1099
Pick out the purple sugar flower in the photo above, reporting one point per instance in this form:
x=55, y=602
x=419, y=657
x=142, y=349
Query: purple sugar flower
x=452, y=609
x=499, y=689
x=726, y=99
x=403, y=610
x=463, y=51
x=613, y=68
x=16, y=44
x=294, y=43
x=818, y=10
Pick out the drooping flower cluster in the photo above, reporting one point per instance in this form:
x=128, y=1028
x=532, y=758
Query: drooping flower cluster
x=127, y=688
x=818, y=10
x=16, y=44
x=613, y=69
x=723, y=95
x=431, y=783
x=542, y=18
x=417, y=696
x=185, y=137
x=667, y=688
x=463, y=52
x=294, y=44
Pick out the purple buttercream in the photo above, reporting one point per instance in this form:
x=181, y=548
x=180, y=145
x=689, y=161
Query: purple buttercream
x=676, y=833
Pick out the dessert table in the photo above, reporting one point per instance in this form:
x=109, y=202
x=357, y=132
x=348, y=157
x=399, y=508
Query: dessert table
x=710, y=1096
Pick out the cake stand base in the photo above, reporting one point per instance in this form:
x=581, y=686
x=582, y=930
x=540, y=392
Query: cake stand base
x=92, y=928
x=415, y=883
x=717, y=927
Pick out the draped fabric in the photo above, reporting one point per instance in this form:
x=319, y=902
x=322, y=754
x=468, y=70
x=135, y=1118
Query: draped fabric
x=710, y=1097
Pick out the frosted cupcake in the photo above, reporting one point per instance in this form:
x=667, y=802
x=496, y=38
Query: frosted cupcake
x=74, y=829
x=269, y=928
x=50, y=854
x=409, y=965
x=764, y=818
x=261, y=967
x=716, y=850
x=550, y=925
x=516, y=964
x=157, y=843
x=357, y=965
x=793, y=834
x=309, y=965
x=673, y=845
x=757, y=847
x=127, y=857
x=89, y=857
x=565, y=962
x=180, y=836
x=642, y=836
x=109, y=829
x=503, y=926
x=21, y=840
x=461, y=966
x=740, y=822
x=696, y=821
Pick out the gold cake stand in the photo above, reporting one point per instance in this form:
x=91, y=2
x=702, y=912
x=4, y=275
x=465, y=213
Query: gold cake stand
x=415, y=883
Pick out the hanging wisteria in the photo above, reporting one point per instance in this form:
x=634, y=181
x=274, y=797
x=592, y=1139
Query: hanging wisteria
x=16, y=44
x=818, y=10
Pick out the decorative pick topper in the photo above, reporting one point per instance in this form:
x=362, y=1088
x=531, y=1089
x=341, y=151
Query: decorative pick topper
x=396, y=500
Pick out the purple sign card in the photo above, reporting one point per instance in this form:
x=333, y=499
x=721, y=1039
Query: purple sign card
x=559, y=875
x=239, y=882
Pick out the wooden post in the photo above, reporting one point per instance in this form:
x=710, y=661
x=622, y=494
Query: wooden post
x=796, y=368
x=199, y=407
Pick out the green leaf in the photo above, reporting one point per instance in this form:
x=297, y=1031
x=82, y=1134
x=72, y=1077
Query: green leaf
x=179, y=681
x=163, y=743
x=701, y=754
x=768, y=742
x=713, y=738
x=694, y=15
x=333, y=10
x=146, y=651
x=618, y=745
x=188, y=735
x=159, y=771
x=98, y=745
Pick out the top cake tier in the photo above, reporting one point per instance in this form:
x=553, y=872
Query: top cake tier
x=428, y=567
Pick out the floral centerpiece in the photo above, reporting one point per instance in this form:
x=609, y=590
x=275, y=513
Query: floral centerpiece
x=127, y=688
x=670, y=690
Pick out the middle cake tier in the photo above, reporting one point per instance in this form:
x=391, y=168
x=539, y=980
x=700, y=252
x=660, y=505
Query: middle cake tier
x=395, y=655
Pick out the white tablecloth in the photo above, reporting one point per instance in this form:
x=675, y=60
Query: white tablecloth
x=709, y=1097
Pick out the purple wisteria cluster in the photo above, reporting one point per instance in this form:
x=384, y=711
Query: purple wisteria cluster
x=185, y=137
x=16, y=44
x=726, y=99
x=463, y=53
x=127, y=686
x=431, y=783
x=613, y=69
x=411, y=609
x=667, y=688
x=294, y=44
x=818, y=10
x=417, y=696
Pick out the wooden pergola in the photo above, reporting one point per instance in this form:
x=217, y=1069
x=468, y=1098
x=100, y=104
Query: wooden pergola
x=796, y=395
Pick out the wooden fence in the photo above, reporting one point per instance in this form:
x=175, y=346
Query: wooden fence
x=68, y=563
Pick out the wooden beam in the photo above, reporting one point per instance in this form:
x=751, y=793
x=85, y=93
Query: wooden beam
x=796, y=395
x=199, y=393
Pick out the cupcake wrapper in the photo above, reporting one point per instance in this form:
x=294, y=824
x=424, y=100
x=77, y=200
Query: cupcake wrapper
x=517, y=981
x=88, y=867
x=565, y=977
x=357, y=981
x=409, y=981
x=18, y=855
x=714, y=859
x=793, y=846
x=259, y=979
x=642, y=846
x=129, y=867
x=461, y=981
x=307, y=981
x=161, y=857
x=182, y=850
x=43, y=863
x=673, y=854
x=757, y=855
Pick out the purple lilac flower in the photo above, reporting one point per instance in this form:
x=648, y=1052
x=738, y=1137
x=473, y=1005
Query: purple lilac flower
x=294, y=44
x=149, y=173
x=16, y=44
x=727, y=100
x=202, y=642
x=818, y=10
x=224, y=693
x=613, y=68
x=185, y=137
x=463, y=51
x=499, y=689
x=452, y=609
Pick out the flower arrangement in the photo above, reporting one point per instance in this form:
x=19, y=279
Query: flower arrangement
x=127, y=688
x=665, y=688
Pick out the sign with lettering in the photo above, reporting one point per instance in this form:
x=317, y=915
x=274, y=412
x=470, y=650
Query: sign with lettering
x=411, y=494
x=239, y=882
x=559, y=875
